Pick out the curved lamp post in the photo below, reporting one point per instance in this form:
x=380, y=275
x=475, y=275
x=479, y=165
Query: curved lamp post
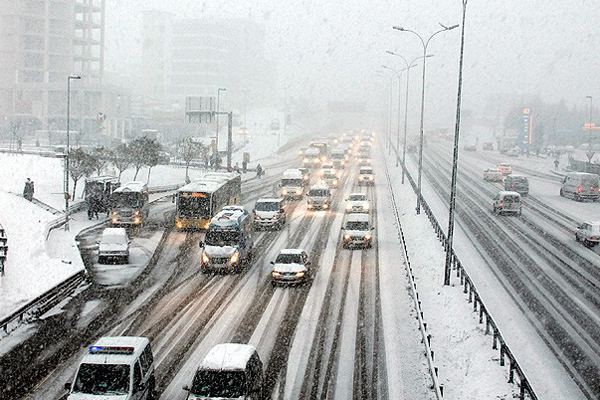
x=425, y=44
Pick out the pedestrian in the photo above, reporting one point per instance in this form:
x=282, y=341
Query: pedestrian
x=32, y=191
x=258, y=171
x=20, y=145
x=27, y=190
x=556, y=162
x=244, y=167
x=263, y=172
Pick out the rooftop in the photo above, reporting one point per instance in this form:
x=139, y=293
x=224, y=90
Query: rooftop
x=228, y=356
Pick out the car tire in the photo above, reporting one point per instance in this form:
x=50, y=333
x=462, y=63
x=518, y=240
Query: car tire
x=577, y=197
x=273, y=283
x=126, y=260
x=576, y=238
x=101, y=260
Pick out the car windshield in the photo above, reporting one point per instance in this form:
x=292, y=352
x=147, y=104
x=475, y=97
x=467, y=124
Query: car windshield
x=267, y=206
x=511, y=199
x=193, y=207
x=366, y=171
x=291, y=182
x=329, y=176
x=127, y=199
x=287, y=258
x=519, y=179
x=102, y=379
x=219, y=384
x=218, y=237
x=113, y=239
x=357, y=197
x=357, y=225
x=318, y=193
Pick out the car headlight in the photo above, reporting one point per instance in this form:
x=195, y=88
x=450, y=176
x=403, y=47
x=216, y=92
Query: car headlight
x=137, y=212
x=179, y=225
x=205, y=258
x=346, y=237
x=335, y=182
x=275, y=274
x=306, y=160
x=367, y=237
x=115, y=213
x=325, y=206
x=235, y=257
x=256, y=217
x=284, y=191
x=371, y=178
x=136, y=221
x=348, y=207
x=299, y=274
x=115, y=220
x=310, y=205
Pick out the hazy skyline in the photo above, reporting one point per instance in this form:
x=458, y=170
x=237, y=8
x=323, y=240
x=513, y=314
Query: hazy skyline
x=331, y=50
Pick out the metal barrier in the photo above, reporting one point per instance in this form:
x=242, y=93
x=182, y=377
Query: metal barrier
x=474, y=297
x=433, y=370
x=42, y=303
x=3, y=249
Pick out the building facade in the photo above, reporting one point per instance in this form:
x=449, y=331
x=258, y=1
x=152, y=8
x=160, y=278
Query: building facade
x=42, y=43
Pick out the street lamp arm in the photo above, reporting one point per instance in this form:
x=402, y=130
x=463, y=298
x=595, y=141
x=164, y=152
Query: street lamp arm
x=399, y=28
x=444, y=29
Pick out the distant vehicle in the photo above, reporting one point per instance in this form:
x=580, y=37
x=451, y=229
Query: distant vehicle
x=275, y=124
x=115, y=368
x=366, y=176
x=470, y=147
x=312, y=158
x=580, y=186
x=330, y=179
x=588, y=233
x=507, y=202
x=506, y=168
x=113, y=246
x=228, y=243
x=229, y=371
x=319, y=197
x=292, y=184
x=302, y=151
x=198, y=201
x=305, y=176
x=164, y=158
x=517, y=183
x=129, y=204
x=487, y=146
x=493, y=175
x=357, y=203
x=338, y=158
x=512, y=152
x=327, y=168
x=323, y=148
x=236, y=207
x=357, y=231
x=364, y=158
x=506, y=143
x=269, y=213
x=290, y=266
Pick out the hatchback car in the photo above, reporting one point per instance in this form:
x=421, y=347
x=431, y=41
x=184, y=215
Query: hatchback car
x=357, y=231
x=290, y=266
x=493, y=175
x=517, y=183
x=318, y=197
x=357, y=203
x=269, y=213
x=366, y=176
x=588, y=233
x=507, y=202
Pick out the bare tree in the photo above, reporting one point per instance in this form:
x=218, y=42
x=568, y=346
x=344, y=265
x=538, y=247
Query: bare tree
x=121, y=158
x=144, y=152
x=100, y=157
x=189, y=150
x=80, y=164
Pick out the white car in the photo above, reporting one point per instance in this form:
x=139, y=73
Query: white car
x=357, y=203
x=113, y=245
x=506, y=168
x=290, y=266
x=493, y=175
x=512, y=153
x=357, y=231
x=588, y=233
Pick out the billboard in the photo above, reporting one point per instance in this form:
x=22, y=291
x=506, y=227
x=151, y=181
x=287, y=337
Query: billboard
x=198, y=109
x=526, y=132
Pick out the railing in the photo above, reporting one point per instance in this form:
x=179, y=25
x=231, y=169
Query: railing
x=42, y=303
x=474, y=297
x=433, y=370
x=3, y=249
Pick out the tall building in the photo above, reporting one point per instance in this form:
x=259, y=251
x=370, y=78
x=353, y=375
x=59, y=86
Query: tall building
x=195, y=57
x=42, y=42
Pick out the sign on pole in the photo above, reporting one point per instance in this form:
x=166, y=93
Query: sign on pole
x=200, y=109
x=525, y=135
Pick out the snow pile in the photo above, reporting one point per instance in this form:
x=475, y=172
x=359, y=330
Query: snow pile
x=31, y=268
x=468, y=367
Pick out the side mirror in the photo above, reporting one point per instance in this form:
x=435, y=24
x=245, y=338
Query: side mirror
x=186, y=388
x=308, y=263
x=201, y=244
x=372, y=228
x=342, y=228
x=272, y=263
x=68, y=386
x=282, y=210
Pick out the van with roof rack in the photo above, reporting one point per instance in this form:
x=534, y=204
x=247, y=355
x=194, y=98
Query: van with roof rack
x=228, y=244
x=120, y=367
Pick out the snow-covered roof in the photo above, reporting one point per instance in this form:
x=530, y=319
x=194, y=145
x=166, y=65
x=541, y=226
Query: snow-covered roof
x=114, y=231
x=358, y=194
x=366, y=169
x=115, y=350
x=133, y=186
x=208, y=182
x=228, y=356
x=292, y=173
x=319, y=187
x=227, y=219
x=362, y=217
x=291, y=251
x=508, y=193
x=269, y=199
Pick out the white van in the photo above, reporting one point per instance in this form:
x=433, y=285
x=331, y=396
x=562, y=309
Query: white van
x=119, y=367
x=292, y=184
x=113, y=245
x=319, y=197
x=580, y=186
x=507, y=202
x=229, y=371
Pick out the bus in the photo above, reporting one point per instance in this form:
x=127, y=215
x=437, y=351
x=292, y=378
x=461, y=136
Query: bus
x=322, y=147
x=198, y=201
x=129, y=204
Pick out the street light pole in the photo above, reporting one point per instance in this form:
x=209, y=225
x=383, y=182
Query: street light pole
x=449, y=253
x=68, y=149
x=590, y=155
x=421, y=138
x=219, y=90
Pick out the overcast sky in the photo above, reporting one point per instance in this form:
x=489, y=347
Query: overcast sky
x=331, y=49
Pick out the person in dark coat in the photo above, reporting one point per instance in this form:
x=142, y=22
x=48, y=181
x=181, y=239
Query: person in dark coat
x=258, y=171
x=244, y=167
x=28, y=190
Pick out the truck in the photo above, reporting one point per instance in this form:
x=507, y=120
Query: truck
x=292, y=184
x=506, y=143
x=129, y=204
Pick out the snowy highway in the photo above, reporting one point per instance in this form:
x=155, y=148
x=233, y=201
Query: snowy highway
x=349, y=333
x=552, y=279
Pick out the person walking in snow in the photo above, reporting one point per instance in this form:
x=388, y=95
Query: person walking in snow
x=556, y=162
x=28, y=190
x=244, y=167
x=258, y=171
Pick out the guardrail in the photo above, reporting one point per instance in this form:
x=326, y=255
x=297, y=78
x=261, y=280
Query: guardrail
x=474, y=297
x=42, y=303
x=3, y=249
x=433, y=370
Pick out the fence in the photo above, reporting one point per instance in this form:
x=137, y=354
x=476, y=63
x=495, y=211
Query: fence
x=469, y=288
x=3, y=249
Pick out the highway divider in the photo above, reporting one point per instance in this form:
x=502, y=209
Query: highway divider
x=506, y=357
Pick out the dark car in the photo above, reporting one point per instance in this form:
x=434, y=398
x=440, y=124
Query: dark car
x=517, y=183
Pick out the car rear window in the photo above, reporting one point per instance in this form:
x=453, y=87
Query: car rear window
x=511, y=199
x=318, y=192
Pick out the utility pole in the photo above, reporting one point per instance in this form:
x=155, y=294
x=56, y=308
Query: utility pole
x=68, y=150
